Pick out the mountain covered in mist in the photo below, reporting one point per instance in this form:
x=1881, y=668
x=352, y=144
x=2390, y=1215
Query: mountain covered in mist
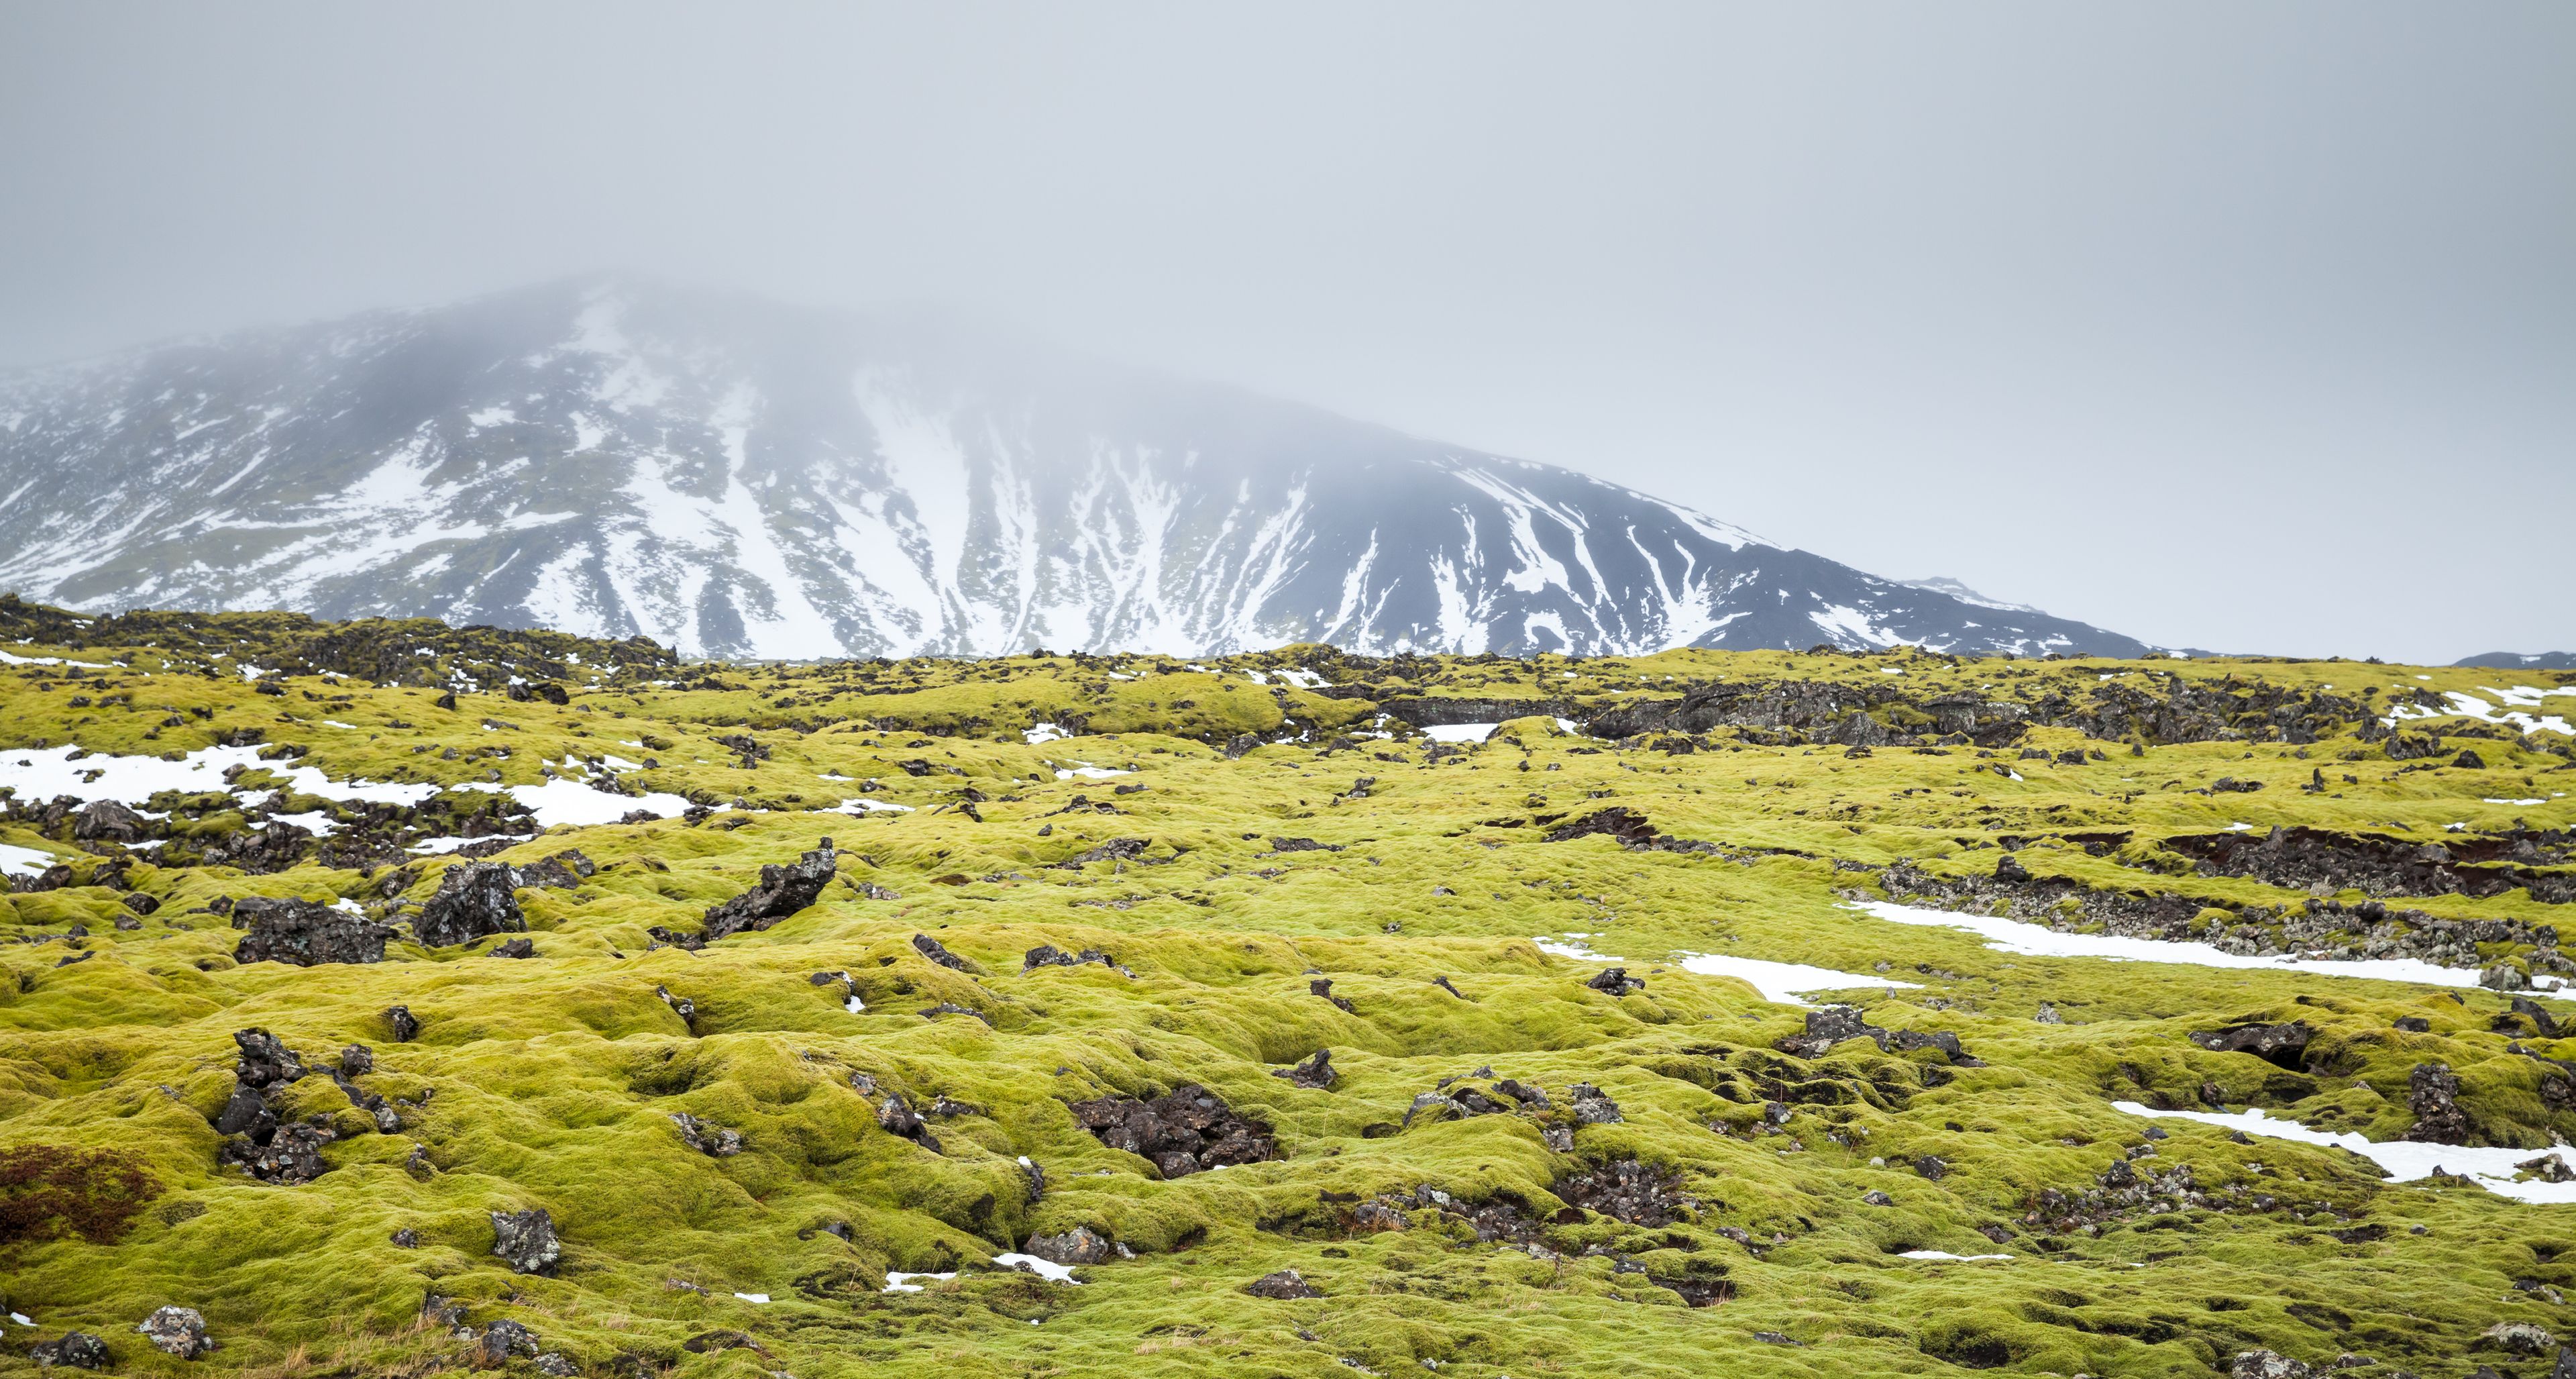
x=733, y=477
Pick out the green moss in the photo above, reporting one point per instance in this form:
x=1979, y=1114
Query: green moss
x=552, y=1080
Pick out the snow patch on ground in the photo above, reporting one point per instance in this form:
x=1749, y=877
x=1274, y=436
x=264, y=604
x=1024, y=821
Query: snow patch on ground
x=1783, y=982
x=2402, y=1161
x=2032, y=940
x=575, y=804
x=18, y=861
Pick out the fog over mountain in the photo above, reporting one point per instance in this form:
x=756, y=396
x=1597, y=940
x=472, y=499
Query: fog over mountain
x=740, y=478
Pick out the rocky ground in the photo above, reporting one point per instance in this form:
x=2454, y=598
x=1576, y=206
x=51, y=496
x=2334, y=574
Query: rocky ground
x=383, y=999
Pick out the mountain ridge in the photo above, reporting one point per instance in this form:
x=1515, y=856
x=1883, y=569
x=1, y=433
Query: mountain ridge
x=733, y=477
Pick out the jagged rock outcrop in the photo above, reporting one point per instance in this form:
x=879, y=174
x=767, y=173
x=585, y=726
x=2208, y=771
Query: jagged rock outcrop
x=304, y=934
x=783, y=891
x=474, y=900
x=1182, y=1131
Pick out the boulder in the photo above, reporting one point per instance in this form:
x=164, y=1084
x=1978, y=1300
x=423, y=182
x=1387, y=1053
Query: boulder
x=898, y=1118
x=1316, y=1072
x=502, y=1341
x=303, y=934
x=526, y=1239
x=177, y=1331
x=1616, y=981
x=1592, y=1106
x=1285, y=1284
x=1182, y=1132
x=77, y=1349
x=2432, y=1093
x=783, y=890
x=1081, y=1245
x=473, y=901
x=1828, y=1027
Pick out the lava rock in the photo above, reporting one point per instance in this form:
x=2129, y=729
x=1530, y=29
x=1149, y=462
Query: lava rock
x=2519, y=1338
x=177, y=1331
x=1316, y=1072
x=1616, y=981
x=714, y=1141
x=1828, y=1027
x=563, y=872
x=290, y=1154
x=1591, y=1105
x=1627, y=1190
x=303, y=934
x=527, y=1240
x=2432, y=1093
x=473, y=901
x=899, y=1119
x=503, y=1339
x=77, y=1349
x=783, y=890
x=2283, y=1045
x=2265, y=1364
x=1081, y=1245
x=1182, y=1131
x=520, y=947
x=937, y=952
x=405, y=1026
x=2548, y=1168
x=1285, y=1284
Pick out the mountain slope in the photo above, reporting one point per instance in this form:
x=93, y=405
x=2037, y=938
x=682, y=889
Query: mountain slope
x=732, y=477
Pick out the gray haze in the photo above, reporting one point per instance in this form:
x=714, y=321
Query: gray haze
x=2227, y=326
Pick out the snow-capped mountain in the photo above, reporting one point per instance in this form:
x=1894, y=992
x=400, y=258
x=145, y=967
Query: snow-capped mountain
x=734, y=477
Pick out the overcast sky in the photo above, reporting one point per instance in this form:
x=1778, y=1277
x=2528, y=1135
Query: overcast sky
x=2238, y=326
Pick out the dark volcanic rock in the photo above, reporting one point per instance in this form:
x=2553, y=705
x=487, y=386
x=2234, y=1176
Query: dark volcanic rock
x=1627, y=1190
x=177, y=1331
x=1591, y=1105
x=473, y=901
x=2284, y=1045
x=2374, y=863
x=1316, y=1072
x=502, y=1341
x=898, y=1118
x=937, y=952
x=526, y=1239
x=1286, y=1283
x=106, y=821
x=1616, y=981
x=714, y=1141
x=564, y=871
x=1081, y=1245
x=77, y=1349
x=2432, y=1093
x=291, y=1154
x=783, y=890
x=1828, y=1027
x=304, y=934
x=1183, y=1131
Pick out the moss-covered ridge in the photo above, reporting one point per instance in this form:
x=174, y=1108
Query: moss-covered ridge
x=1262, y=824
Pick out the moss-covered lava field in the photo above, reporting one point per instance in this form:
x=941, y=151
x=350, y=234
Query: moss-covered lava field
x=387, y=998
